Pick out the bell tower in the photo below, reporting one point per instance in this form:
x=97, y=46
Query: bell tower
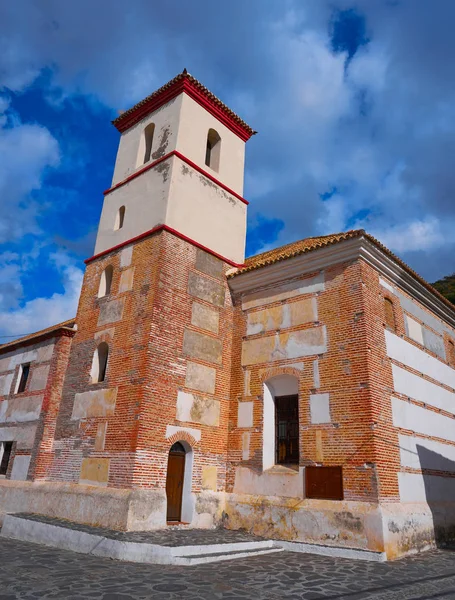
x=180, y=166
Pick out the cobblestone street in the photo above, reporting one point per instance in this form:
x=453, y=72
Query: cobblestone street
x=32, y=571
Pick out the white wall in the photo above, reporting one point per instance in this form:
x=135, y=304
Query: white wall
x=406, y=353
x=206, y=213
x=195, y=123
x=418, y=419
x=416, y=387
x=165, y=118
x=145, y=199
x=416, y=450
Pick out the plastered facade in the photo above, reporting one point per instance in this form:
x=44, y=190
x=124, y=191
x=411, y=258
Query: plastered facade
x=198, y=352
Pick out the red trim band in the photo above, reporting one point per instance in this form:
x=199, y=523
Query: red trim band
x=169, y=230
x=188, y=162
x=183, y=85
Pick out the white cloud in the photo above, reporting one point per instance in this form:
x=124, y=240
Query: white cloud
x=424, y=235
x=27, y=151
x=40, y=312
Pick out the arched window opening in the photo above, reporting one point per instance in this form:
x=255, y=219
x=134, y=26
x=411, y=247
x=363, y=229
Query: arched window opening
x=144, y=152
x=148, y=141
x=212, y=150
x=99, y=364
x=451, y=354
x=105, y=281
x=120, y=217
x=389, y=315
x=281, y=421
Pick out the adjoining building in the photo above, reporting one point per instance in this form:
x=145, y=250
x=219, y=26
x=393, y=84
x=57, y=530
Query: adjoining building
x=305, y=394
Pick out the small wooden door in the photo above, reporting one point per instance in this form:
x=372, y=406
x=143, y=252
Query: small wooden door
x=174, y=482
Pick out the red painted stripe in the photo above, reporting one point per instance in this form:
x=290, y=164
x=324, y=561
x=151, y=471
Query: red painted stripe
x=183, y=85
x=188, y=162
x=137, y=173
x=169, y=230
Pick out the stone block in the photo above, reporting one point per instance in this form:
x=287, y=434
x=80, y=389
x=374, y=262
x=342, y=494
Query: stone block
x=94, y=471
x=110, y=312
x=206, y=289
x=204, y=317
x=44, y=353
x=100, y=438
x=197, y=409
x=282, y=316
x=209, y=478
x=434, y=342
x=20, y=468
x=281, y=346
x=39, y=378
x=246, y=383
x=246, y=437
x=125, y=256
x=320, y=408
x=245, y=414
x=126, y=280
x=203, y=347
x=209, y=264
x=5, y=384
x=20, y=410
x=23, y=435
x=95, y=403
x=413, y=329
x=200, y=377
x=104, y=335
x=310, y=285
x=316, y=376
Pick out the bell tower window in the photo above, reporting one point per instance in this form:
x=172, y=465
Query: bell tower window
x=144, y=153
x=120, y=217
x=212, y=150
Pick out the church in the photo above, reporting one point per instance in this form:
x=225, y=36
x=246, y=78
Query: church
x=305, y=394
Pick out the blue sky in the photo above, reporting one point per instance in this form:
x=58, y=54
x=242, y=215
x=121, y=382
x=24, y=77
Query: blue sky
x=353, y=102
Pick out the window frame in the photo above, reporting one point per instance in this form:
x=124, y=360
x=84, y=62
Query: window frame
x=98, y=371
x=3, y=467
x=291, y=436
x=22, y=380
x=213, y=150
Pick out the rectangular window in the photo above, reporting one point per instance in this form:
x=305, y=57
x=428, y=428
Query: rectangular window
x=287, y=430
x=324, y=483
x=24, y=373
x=5, y=454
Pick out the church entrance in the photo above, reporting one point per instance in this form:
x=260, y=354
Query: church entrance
x=174, y=482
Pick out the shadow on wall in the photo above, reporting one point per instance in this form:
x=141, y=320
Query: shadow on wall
x=440, y=493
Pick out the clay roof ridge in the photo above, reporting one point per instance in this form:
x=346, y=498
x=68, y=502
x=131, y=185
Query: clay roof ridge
x=278, y=254
x=185, y=75
x=68, y=324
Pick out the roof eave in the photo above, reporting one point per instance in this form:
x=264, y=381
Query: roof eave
x=362, y=246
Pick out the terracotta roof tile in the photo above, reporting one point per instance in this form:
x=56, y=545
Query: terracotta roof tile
x=185, y=75
x=294, y=249
x=310, y=244
x=32, y=336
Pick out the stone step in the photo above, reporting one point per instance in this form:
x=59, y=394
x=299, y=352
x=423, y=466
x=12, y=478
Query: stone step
x=222, y=547
x=219, y=556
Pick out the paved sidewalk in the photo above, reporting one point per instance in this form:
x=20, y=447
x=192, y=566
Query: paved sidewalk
x=171, y=536
x=35, y=572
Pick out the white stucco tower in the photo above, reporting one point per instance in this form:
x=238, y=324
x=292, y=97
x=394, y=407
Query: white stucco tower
x=180, y=166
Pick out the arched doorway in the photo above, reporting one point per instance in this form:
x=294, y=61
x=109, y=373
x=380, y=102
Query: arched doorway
x=174, y=482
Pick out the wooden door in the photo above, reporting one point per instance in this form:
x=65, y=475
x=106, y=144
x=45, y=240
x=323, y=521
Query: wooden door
x=174, y=485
